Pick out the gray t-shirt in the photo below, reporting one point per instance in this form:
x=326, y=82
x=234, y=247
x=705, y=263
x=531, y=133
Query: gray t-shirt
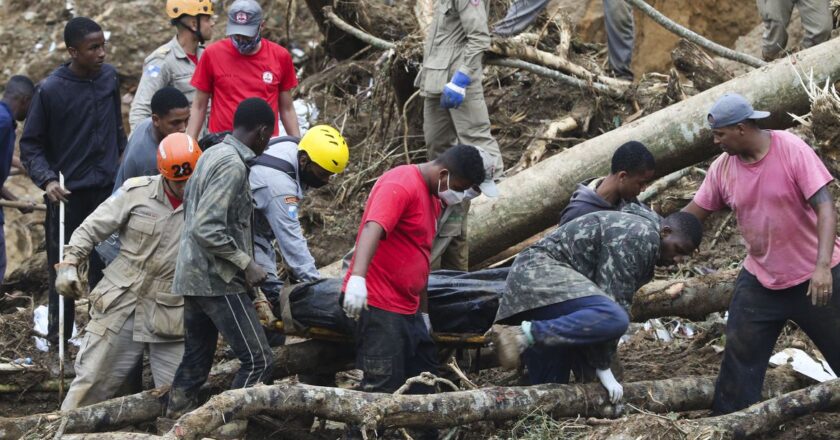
x=140, y=157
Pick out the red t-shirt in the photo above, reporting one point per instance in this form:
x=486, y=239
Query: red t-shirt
x=174, y=201
x=400, y=202
x=770, y=201
x=193, y=57
x=232, y=77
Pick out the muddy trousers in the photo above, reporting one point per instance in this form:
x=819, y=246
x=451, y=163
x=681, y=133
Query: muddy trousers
x=757, y=316
x=104, y=361
x=468, y=124
x=578, y=333
x=236, y=319
x=82, y=202
x=816, y=22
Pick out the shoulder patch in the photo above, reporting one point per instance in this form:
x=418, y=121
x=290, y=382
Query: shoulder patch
x=136, y=182
x=153, y=70
x=163, y=50
x=291, y=200
x=292, y=210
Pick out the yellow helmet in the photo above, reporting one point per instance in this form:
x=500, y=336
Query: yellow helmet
x=326, y=147
x=177, y=8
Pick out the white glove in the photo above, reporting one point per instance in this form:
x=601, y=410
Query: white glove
x=615, y=390
x=427, y=321
x=67, y=281
x=355, y=296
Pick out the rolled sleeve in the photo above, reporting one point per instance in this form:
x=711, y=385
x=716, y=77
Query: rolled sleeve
x=473, y=15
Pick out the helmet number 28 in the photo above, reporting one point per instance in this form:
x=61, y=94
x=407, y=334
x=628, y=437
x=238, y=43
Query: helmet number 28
x=185, y=169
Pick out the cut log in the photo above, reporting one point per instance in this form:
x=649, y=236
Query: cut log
x=698, y=66
x=678, y=136
x=377, y=411
x=691, y=298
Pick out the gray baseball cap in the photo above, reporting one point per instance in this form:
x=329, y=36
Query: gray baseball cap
x=731, y=109
x=488, y=187
x=244, y=18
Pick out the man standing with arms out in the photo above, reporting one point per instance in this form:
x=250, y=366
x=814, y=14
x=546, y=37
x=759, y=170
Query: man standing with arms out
x=74, y=127
x=778, y=190
x=454, y=110
x=132, y=307
x=632, y=169
x=816, y=21
x=618, y=17
x=216, y=269
x=170, y=113
x=243, y=66
x=570, y=292
x=173, y=63
x=13, y=108
x=385, y=288
x=278, y=180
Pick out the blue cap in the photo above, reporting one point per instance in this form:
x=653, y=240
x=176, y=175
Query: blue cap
x=244, y=18
x=731, y=109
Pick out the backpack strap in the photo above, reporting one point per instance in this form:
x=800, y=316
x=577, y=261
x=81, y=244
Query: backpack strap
x=275, y=162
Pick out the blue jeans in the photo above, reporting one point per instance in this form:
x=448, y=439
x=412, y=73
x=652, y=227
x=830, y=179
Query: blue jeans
x=757, y=316
x=236, y=319
x=581, y=330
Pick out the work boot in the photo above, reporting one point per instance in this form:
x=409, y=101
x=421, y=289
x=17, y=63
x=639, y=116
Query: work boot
x=179, y=403
x=510, y=342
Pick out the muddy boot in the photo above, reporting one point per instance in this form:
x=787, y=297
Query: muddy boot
x=179, y=403
x=510, y=342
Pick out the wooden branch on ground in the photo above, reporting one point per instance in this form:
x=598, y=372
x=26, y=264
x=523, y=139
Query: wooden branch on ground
x=377, y=411
x=17, y=205
x=663, y=183
x=695, y=38
x=610, y=90
x=539, y=146
x=692, y=298
x=703, y=71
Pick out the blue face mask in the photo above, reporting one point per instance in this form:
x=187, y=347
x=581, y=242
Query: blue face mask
x=246, y=48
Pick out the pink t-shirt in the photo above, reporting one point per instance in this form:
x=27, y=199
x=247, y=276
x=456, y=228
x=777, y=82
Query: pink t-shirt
x=770, y=201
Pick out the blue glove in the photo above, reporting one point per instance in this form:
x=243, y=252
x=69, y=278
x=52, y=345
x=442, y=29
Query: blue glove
x=453, y=92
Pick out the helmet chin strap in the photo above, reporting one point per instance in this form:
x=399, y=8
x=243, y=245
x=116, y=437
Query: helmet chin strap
x=197, y=30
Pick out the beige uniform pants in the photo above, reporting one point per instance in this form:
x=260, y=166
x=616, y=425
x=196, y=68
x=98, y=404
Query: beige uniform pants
x=104, y=362
x=468, y=124
x=816, y=21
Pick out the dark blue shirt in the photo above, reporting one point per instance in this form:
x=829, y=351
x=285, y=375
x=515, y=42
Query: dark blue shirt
x=7, y=145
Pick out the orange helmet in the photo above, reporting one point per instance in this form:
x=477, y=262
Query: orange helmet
x=177, y=155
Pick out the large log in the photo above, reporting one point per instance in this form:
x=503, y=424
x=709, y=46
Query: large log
x=691, y=298
x=678, y=136
x=377, y=411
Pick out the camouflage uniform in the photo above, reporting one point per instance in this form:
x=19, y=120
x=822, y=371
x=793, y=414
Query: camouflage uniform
x=132, y=308
x=168, y=65
x=457, y=39
x=216, y=247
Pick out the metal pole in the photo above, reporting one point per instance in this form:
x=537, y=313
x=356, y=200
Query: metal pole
x=60, y=297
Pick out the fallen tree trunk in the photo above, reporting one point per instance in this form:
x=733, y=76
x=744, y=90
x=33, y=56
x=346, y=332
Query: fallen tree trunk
x=678, y=136
x=691, y=298
x=377, y=411
x=305, y=357
x=698, y=66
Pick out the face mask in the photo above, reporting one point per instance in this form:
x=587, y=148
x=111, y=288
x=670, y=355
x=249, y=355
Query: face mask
x=471, y=194
x=450, y=197
x=246, y=48
x=310, y=179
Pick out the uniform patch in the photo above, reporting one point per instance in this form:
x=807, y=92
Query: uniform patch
x=153, y=71
x=291, y=200
x=293, y=211
x=241, y=18
x=268, y=77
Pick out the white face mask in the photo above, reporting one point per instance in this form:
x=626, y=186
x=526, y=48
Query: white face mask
x=471, y=194
x=450, y=197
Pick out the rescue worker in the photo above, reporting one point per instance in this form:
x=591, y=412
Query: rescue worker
x=243, y=66
x=816, y=21
x=454, y=111
x=567, y=296
x=173, y=63
x=279, y=177
x=779, y=191
x=74, y=127
x=132, y=308
x=618, y=18
x=632, y=169
x=216, y=271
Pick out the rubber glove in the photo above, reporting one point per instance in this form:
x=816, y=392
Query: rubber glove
x=454, y=91
x=67, y=281
x=355, y=296
x=615, y=390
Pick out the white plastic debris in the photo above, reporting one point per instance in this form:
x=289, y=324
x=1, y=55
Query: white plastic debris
x=41, y=321
x=52, y=47
x=803, y=364
x=307, y=114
